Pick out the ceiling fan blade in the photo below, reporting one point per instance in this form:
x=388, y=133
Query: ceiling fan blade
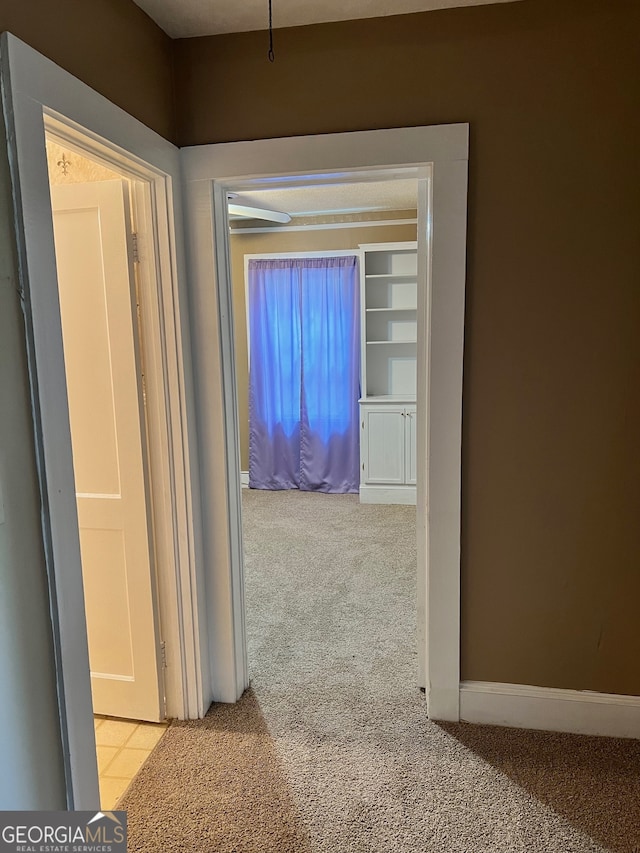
x=249, y=211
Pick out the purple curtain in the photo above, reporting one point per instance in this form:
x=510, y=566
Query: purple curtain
x=304, y=382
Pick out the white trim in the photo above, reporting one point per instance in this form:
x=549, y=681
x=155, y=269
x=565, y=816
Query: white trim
x=226, y=343
x=172, y=497
x=423, y=407
x=388, y=495
x=325, y=226
x=210, y=172
x=320, y=253
x=217, y=412
x=439, y=503
x=33, y=87
x=394, y=246
x=244, y=479
x=266, y=163
x=160, y=352
x=550, y=709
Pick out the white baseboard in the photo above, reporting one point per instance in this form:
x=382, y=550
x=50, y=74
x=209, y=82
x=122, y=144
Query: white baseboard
x=443, y=704
x=550, y=709
x=244, y=479
x=388, y=495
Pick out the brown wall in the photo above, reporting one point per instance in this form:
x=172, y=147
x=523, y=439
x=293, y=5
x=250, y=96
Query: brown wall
x=551, y=468
x=288, y=241
x=111, y=45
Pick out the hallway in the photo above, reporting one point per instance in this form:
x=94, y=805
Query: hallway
x=331, y=750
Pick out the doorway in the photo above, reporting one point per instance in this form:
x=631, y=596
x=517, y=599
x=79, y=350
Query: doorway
x=98, y=272
x=211, y=172
x=330, y=224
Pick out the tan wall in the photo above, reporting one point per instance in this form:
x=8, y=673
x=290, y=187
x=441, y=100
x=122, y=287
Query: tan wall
x=551, y=468
x=111, y=45
x=288, y=241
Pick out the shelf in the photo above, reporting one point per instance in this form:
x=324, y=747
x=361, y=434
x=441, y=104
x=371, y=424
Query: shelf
x=392, y=343
x=388, y=398
x=411, y=276
x=389, y=321
x=392, y=310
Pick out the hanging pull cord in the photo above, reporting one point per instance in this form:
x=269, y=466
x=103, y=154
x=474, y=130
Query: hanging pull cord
x=271, y=54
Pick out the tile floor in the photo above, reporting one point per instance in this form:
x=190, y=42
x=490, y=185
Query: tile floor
x=123, y=747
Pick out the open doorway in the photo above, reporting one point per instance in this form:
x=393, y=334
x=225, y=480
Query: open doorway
x=99, y=276
x=437, y=156
x=385, y=223
x=339, y=283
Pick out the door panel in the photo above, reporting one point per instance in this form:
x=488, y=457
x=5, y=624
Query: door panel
x=106, y=603
x=384, y=444
x=97, y=310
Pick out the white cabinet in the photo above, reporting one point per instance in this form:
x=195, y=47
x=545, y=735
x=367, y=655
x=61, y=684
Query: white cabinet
x=389, y=300
x=382, y=441
x=387, y=453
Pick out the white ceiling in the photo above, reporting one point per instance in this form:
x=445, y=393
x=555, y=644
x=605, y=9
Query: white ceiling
x=337, y=198
x=187, y=18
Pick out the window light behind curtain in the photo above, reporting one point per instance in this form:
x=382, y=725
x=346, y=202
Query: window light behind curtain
x=304, y=384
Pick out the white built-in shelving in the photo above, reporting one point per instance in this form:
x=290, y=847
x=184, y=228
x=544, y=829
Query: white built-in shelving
x=389, y=303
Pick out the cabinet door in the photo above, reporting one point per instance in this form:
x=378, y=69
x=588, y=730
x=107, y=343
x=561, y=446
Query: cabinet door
x=383, y=444
x=410, y=445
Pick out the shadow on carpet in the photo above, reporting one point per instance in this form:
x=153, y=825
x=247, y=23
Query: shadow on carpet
x=592, y=782
x=214, y=786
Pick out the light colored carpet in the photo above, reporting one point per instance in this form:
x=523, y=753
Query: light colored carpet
x=331, y=750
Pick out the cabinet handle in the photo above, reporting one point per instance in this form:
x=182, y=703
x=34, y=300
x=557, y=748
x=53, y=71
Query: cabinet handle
x=404, y=414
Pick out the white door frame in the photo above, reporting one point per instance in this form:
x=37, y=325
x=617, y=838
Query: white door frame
x=38, y=95
x=210, y=171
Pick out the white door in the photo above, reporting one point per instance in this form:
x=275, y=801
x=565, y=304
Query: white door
x=383, y=444
x=97, y=306
x=410, y=446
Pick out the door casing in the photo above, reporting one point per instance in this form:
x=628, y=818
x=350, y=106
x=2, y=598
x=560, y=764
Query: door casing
x=438, y=157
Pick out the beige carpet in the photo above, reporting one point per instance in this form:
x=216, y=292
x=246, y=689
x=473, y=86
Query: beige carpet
x=331, y=750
